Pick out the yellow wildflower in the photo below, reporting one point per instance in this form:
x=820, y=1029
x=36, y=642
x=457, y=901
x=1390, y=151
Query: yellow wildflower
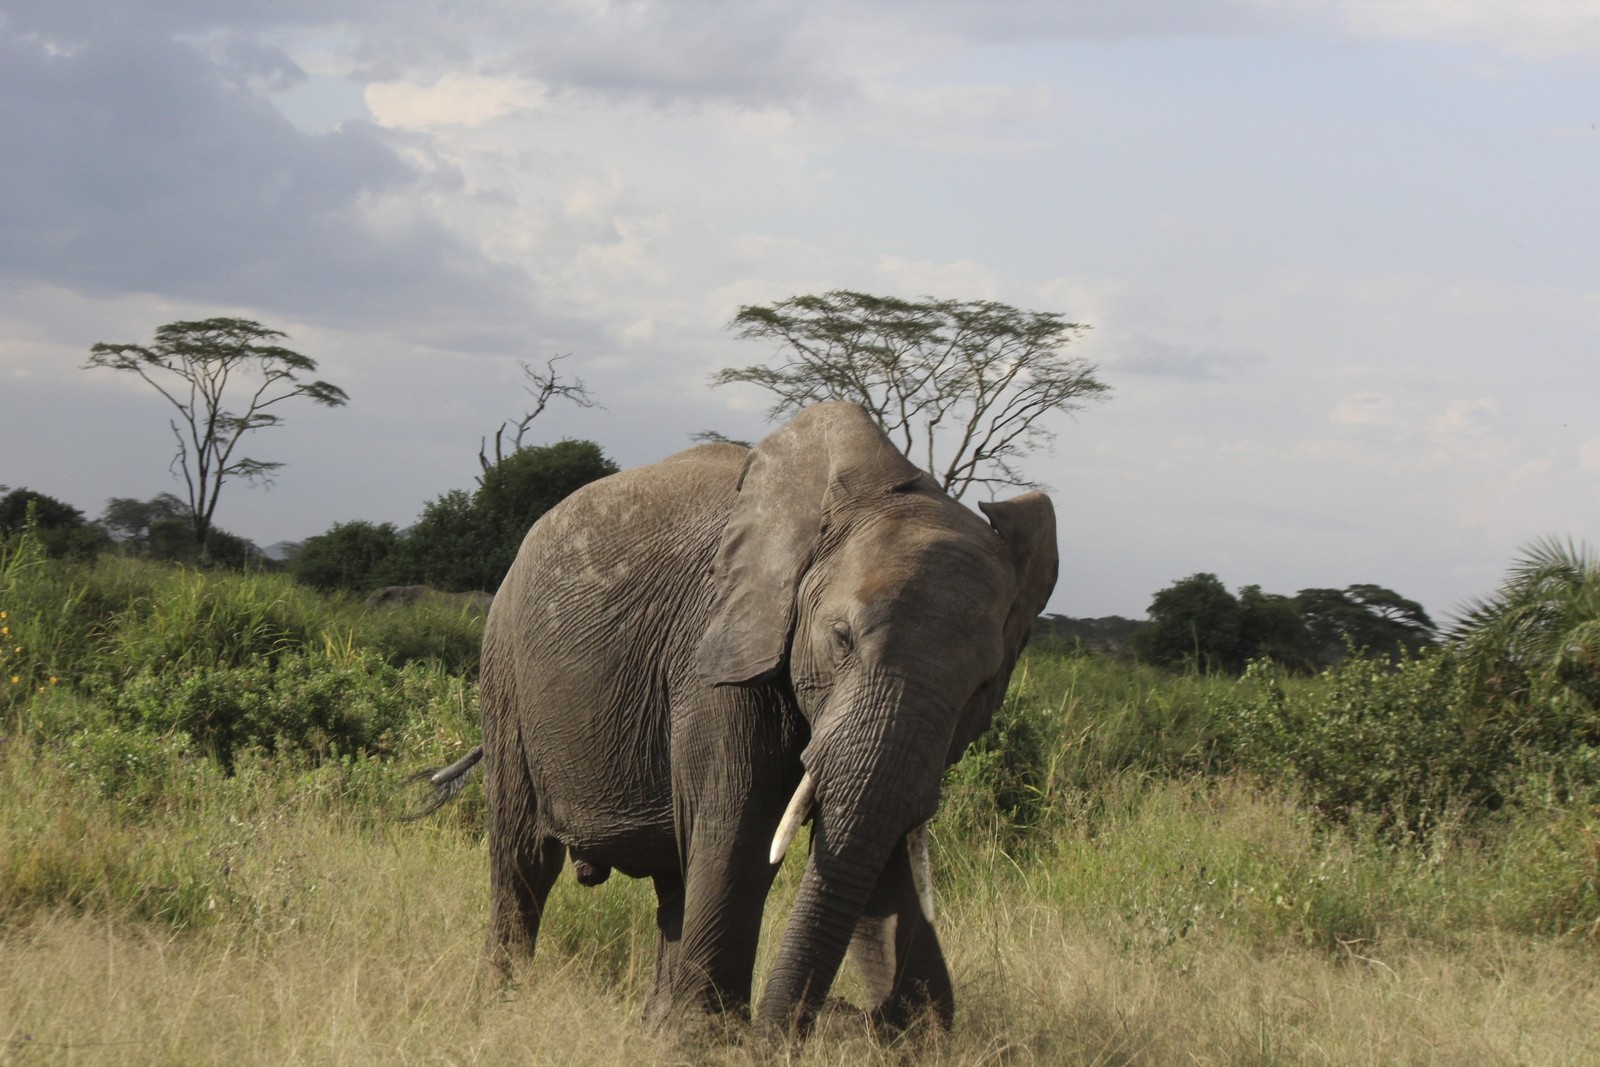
x=15, y=678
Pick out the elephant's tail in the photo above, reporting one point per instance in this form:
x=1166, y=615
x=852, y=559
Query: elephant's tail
x=446, y=782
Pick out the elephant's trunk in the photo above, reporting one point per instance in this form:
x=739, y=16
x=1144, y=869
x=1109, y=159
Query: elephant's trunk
x=876, y=764
x=814, y=944
x=799, y=810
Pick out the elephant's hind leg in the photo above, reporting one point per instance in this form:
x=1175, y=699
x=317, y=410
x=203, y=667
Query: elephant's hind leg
x=659, y=1007
x=523, y=862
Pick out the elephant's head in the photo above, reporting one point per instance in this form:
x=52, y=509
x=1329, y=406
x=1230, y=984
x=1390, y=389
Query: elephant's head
x=896, y=615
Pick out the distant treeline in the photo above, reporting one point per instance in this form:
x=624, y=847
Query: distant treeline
x=1111, y=635
x=1198, y=623
x=465, y=541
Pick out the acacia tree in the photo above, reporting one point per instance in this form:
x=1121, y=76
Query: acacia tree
x=130, y=520
x=1366, y=617
x=221, y=375
x=959, y=385
x=1197, y=621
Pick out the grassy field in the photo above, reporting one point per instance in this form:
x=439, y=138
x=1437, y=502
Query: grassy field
x=1120, y=881
x=1184, y=930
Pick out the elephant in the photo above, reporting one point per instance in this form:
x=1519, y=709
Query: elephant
x=688, y=660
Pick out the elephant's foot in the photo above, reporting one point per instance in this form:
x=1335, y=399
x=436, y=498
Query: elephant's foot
x=696, y=1023
x=834, y=1018
x=914, y=1008
x=901, y=1019
x=496, y=970
x=888, y=1024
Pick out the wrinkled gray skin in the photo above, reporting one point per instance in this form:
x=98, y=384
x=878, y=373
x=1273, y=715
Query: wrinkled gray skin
x=676, y=643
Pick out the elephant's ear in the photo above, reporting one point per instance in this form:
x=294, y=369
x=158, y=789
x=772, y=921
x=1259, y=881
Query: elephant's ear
x=1027, y=524
x=791, y=482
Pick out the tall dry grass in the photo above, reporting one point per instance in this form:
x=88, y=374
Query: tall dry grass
x=346, y=941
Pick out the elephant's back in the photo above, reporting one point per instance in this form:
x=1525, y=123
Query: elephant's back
x=617, y=546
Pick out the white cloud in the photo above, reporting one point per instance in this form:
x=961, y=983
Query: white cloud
x=613, y=179
x=455, y=99
x=1535, y=28
x=1145, y=355
x=1365, y=409
x=1463, y=419
x=960, y=119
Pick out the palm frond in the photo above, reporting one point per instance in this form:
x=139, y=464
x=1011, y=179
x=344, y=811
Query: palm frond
x=1550, y=580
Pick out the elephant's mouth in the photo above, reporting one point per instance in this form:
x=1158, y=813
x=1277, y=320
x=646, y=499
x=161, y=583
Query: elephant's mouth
x=799, y=810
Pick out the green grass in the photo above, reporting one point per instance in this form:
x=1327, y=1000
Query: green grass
x=1134, y=867
x=98, y=623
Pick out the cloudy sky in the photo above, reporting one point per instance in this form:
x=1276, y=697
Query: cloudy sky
x=1341, y=259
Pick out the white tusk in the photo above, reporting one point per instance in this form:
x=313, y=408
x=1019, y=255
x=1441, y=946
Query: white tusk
x=921, y=869
x=795, y=814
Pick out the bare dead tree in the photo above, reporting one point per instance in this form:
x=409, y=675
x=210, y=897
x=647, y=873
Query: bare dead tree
x=544, y=386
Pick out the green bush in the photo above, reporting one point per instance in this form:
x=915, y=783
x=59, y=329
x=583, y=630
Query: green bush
x=304, y=701
x=1407, y=743
x=95, y=625
x=196, y=619
x=466, y=541
x=57, y=529
x=1372, y=739
x=134, y=763
x=353, y=556
x=445, y=634
x=1069, y=724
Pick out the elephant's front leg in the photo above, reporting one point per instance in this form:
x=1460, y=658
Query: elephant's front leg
x=734, y=768
x=897, y=952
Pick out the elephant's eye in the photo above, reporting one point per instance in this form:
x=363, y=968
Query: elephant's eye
x=843, y=643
